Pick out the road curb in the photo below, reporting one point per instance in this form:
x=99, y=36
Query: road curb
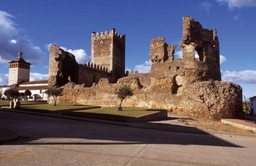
x=234, y=123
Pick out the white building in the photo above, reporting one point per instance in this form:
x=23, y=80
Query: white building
x=253, y=105
x=36, y=88
x=19, y=72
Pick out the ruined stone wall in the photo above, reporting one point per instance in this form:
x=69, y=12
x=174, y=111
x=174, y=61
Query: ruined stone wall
x=158, y=50
x=209, y=100
x=143, y=77
x=212, y=100
x=204, y=42
x=108, y=61
x=172, y=74
x=63, y=67
x=91, y=73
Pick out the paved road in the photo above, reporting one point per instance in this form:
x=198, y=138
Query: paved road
x=55, y=141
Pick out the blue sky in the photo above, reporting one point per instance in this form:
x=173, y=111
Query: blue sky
x=69, y=23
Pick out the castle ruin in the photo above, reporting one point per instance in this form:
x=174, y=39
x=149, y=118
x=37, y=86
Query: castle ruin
x=188, y=86
x=108, y=61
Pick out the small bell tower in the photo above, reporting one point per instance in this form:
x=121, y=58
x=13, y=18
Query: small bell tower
x=19, y=70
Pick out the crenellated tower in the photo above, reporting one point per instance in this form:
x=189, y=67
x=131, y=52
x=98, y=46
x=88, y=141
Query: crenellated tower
x=108, y=50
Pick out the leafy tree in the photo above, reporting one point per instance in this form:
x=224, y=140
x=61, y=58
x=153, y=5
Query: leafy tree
x=28, y=93
x=122, y=93
x=54, y=92
x=12, y=93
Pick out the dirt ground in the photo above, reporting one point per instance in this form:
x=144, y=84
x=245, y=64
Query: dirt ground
x=211, y=125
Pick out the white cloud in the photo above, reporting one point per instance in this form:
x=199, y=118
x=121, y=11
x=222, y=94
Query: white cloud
x=38, y=76
x=238, y=3
x=178, y=54
x=3, y=61
x=3, y=79
x=246, y=76
x=7, y=25
x=206, y=6
x=80, y=54
x=143, y=68
x=222, y=59
x=11, y=40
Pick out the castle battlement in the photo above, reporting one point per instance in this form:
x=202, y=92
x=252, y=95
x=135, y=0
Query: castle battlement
x=106, y=34
x=132, y=72
x=96, y=67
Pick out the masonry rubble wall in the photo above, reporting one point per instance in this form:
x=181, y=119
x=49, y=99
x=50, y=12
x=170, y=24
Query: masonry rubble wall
x=211, y=100
x=143, y=77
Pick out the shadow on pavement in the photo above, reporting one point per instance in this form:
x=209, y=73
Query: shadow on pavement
x=45, y=130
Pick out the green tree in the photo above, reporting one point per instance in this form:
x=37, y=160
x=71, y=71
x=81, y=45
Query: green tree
x=28, y=93
x=12, y=93
x=54, y=92
x=122, y=93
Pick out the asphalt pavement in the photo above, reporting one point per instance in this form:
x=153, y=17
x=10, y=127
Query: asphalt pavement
x=60, y=140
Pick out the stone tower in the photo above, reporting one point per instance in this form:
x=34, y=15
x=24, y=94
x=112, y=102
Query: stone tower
x=19, y=70
x=108, y=50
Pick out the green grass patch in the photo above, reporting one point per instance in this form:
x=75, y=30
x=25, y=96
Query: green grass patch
x=4, y=103
x=110, y=113
x=51, y=107
x=127, y=111
x=7, y=102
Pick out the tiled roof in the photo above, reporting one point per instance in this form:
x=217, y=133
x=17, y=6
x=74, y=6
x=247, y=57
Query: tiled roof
x=253, y=98
x=20, y=60
x=12, y=85
x=35, y=82
x=32, y=87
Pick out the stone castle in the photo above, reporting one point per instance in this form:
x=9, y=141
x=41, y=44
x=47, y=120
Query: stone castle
x=108, y=61
x=188, y=86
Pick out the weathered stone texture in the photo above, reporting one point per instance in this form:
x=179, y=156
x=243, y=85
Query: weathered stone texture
x=108, y=50
x=204, y=42
x=90, y=74
x=108, y=61
x=160, y=51
x=212, y=100
x=143, y=77
x=188, y=86
x=63, y=67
